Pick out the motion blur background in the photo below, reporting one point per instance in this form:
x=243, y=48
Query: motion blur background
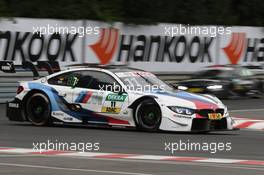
x=150, y=35
x=140, y=33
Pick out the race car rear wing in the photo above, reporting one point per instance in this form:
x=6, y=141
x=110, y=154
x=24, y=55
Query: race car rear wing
x=10, y=67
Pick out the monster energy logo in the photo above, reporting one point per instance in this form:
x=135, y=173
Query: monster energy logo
x=72, y=81
x=115, y=97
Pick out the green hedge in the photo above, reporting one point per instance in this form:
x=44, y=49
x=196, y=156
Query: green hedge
x=222, y=12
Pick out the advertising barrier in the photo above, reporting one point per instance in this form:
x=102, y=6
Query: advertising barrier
x=157, y=48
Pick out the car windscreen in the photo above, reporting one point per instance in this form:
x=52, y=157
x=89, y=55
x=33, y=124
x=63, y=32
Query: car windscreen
x=142, y=81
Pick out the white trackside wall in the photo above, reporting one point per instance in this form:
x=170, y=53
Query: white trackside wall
x=158, y=48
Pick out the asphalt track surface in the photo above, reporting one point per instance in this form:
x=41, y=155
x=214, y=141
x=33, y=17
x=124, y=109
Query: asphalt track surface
x=246, y=144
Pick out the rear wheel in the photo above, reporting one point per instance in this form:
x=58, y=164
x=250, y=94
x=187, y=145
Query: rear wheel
x=148, y=115
x=38, y=109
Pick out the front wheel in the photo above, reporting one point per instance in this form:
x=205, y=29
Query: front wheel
x=148, y=115
x=38, y=109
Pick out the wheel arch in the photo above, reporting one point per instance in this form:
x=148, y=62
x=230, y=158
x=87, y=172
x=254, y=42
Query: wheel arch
x=25, y=99
x=137, y=101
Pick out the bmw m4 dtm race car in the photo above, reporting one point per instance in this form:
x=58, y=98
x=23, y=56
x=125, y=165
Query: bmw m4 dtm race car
x=112, y=96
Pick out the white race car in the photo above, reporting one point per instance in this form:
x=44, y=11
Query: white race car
x=113, y=96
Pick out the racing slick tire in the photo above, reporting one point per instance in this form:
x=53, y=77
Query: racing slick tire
x=38, y=109
x=148, y=115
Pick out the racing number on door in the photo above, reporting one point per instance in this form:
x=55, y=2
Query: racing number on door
x=113, y=103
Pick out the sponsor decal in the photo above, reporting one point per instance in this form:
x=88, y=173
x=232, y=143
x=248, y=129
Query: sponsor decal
x=183, y=116
x=56, y=113
x=177, y=49
x=7, y=67
x=116, y=97
x=90, y=97
x=241, y=48
x=152, y=48
x=235, y=47
x=13, y=105
x=113, y=110
x=158, y=48
x=215, y=116
x=72, y=81
x=23, y=45
x=68, y=118
x=106, y=46
x=87, y=96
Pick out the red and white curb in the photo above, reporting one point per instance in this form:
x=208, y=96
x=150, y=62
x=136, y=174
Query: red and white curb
x=130, y=156
x=246, y=123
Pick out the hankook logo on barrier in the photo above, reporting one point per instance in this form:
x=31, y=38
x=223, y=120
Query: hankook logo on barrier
x=145, y=46
x=151, y=48
x=106, y=46
x=252, y=48
x=235, y=47
x=29, y=46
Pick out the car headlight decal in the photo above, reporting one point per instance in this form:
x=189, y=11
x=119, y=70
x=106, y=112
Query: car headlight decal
x=182, y=110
